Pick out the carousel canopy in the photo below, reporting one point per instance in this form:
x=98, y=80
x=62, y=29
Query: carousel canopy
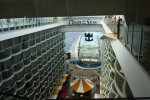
x=82, y=85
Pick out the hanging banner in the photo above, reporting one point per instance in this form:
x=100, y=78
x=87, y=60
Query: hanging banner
x=82, y=22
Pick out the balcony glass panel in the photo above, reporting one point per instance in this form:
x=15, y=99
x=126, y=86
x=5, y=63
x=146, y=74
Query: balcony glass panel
x=33, y=57
x=20, y=83
x=9, y=83
x=27, y=69
x=43, y=50
x=18, y=66
x=26, y=61
x=28, y=76
x=51, y=34
x=35, y=85
x=7, y=73
x=19, y=75
x=26, y=54
x=43, y=44
x=21, y=91
x=39, y=53
x=33, y=50
x=28, y=85
x=34, y=71
x=37, y=96
x=39, y=47
x=16, y=48
x=42, y=37
x=37, y=34
x=29, y=91
x=5, y=53
x=5, y=65
x=16, y=59
x=32, y=36
x=47, y=42
x=40, y=73
x=11, y=90
x=47, y=35
x=24, y=44
x=48, y=47
x=34, y=64
x=32, y=42
x=40, y=66
x=5, y=44
x=38, y=39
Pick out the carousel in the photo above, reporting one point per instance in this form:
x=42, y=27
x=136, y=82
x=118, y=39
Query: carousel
x=81, y=87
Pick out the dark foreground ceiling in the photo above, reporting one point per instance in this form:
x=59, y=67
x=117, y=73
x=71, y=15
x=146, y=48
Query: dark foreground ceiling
x=134, y=10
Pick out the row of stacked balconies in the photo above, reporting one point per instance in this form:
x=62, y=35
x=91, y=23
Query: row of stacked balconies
x=12, y=46
x=19, y=23
x=114, y=83
x=32, y=67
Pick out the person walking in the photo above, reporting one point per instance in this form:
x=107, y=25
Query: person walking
x=118, y=27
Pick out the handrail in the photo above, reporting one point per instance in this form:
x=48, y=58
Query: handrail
x=136, y=76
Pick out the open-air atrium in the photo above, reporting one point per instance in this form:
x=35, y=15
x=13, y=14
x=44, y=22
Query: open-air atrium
x=73, y=57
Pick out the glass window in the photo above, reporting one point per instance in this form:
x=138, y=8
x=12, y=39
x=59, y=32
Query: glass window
x=5, y=44
x=24, y=40
x=26, y=54
x=18, y=66
x=32, y=36
x=7, y=73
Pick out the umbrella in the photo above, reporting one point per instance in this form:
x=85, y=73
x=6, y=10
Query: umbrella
x=82, y=85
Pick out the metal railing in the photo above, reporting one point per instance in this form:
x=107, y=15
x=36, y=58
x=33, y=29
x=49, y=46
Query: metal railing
x=136, y=39
x=137, y=42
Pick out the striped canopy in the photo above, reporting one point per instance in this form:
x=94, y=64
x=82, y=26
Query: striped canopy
x=82, y=85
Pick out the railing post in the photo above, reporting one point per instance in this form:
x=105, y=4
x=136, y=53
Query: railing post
x=132, y=39
x=1, y=24
x=127, y=36
x=140, y=45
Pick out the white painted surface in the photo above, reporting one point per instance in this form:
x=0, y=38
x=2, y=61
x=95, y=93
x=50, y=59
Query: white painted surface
x=74, y=49
x=59, y=87
x=80, y=88
x=138, y=79
x=106, y=28
x=88, y=82
x=53, y=97
x=101, y=91
x=96, y=96
x=63, y=80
